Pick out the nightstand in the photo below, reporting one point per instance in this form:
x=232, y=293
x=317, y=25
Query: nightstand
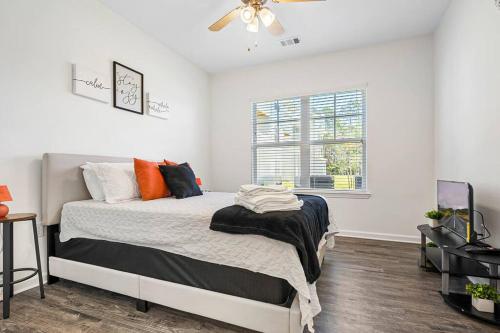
x=8, y=259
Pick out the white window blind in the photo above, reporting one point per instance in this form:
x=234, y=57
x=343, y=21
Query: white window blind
x=316, y=141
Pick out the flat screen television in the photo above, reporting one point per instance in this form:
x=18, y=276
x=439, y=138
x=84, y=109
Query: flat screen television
x=456, y=202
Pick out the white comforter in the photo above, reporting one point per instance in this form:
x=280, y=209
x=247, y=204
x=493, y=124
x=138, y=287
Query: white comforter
x=182, y=227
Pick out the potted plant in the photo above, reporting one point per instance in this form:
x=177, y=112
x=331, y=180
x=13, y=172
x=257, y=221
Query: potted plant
x=484, y=296
x=434, y=216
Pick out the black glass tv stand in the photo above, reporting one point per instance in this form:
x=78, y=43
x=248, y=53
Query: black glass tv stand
x=455, y=265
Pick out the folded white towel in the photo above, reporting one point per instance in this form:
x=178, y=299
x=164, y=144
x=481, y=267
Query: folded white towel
x=253, y=190
x=263, y=199
x=269, y=207
x=276, y=198
x=251, y=202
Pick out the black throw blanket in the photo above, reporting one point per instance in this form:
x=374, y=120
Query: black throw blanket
x=302, y=228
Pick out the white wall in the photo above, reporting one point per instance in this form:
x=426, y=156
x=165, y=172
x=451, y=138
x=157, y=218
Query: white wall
x=38, y=113
x=400, y=149
x=467, y=62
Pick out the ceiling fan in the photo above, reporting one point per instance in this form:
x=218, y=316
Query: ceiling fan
x=250, y=11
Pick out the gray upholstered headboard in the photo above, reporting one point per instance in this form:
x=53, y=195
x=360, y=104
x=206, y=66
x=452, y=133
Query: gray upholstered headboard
x=62, y=181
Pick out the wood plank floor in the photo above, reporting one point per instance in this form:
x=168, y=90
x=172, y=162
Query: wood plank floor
x=366, y=286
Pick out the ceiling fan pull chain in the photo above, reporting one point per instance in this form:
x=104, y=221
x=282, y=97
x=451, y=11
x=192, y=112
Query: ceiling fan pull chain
x=252, y=41
x=249, y=41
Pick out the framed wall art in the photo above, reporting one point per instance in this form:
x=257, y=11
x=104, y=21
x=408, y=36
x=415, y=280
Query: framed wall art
x=128, y=89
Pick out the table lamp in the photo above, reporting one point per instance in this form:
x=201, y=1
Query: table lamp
x=4, y=196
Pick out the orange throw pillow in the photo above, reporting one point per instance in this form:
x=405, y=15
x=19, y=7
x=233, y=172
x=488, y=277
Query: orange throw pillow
x=150, y=181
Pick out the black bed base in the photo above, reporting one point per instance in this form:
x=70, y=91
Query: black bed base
x=52, y=231
x=170, y=267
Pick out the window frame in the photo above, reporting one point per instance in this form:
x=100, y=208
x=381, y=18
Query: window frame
x=305, y=141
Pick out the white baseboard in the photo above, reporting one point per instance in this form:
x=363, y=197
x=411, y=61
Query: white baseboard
x=380, y=236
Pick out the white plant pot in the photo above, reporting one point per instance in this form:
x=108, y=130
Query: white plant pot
x=434, y=223
x=483, y=305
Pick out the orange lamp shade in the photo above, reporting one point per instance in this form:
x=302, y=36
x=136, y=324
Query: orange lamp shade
x=198, y=181
x=4, y=193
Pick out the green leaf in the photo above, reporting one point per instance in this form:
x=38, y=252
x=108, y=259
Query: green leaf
x=434, y=215
x=483, y=291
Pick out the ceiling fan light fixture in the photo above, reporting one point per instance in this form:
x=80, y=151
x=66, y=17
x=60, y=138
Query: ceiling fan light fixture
x=254, y=25
x=267, y=16
x=247, y=14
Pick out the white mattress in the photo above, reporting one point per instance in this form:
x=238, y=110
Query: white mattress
x=182, y=227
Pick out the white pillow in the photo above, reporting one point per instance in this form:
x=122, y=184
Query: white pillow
x=117, y=180
x=93, y=183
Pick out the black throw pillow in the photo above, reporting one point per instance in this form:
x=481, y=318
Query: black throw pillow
x=180, y=180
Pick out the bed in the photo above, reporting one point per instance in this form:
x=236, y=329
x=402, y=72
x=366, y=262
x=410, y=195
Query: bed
x=162, y=251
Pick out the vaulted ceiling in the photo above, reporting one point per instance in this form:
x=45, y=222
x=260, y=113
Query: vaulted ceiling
x=325, y=26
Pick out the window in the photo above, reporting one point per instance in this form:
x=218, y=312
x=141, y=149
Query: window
x=316, y=141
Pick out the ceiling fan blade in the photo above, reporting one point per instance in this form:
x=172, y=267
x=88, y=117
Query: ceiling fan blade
x=276, y=28
x=225, y=20
x=283, y=1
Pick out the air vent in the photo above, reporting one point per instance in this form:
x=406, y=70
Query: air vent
x=290, y=41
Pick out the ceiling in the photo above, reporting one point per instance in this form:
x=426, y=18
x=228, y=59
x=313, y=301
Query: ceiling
x=322, y=27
